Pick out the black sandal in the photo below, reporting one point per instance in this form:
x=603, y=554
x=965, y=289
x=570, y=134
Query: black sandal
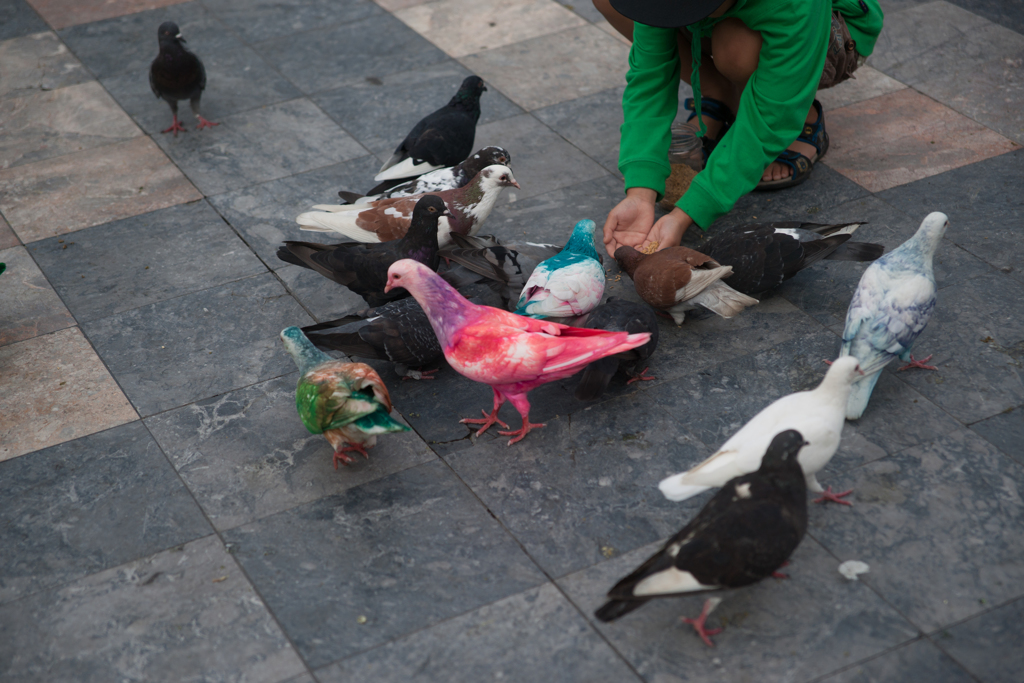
x=813, y=134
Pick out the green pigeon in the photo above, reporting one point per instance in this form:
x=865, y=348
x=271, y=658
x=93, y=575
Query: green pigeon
x=346, y=402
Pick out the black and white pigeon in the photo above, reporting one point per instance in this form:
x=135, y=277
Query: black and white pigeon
x=442, y=138
x=743, y=534
x=619, y=315
x=177, y=74
x=763, y=255
x=435, y=181
x=363, y=268
x=398, y=331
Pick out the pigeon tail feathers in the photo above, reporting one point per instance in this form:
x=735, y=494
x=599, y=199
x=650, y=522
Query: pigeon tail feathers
x=723, y=299
x=674, y=489
x=407, y=168
x=613, y=609
x=860, y=395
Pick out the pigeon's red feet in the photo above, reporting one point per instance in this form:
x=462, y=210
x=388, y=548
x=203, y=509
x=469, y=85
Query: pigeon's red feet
x=421, y=374
x=487, y=421
x=203, y=123
x=176, y=127
x=918, y=364
x=780, y=575
x=698, y=623
x=521, y=433
x=828, y=497
x=642, y=377
x=340, y=454
x=827, y=361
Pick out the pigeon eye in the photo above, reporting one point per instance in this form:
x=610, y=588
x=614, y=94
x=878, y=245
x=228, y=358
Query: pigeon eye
x=431, y=209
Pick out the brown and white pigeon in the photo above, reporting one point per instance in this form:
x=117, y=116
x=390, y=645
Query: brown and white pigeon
x=177, y=74
x=678, y=279
x=388, y=219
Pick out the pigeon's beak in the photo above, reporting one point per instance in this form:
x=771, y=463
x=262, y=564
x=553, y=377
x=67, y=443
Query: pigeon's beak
x=516, y=185
x=446, y=212
x=180, y=38
x=387, y=287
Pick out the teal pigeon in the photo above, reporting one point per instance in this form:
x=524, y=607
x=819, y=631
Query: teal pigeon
x=570, y=283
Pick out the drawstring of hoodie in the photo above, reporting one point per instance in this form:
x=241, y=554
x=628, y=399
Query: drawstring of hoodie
x=697, y=35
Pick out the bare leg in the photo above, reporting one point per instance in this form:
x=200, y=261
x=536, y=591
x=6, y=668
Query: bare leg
x=642, y=377
x=698, y=624
x=523, y=406
x=176, y=127
x=487, y=420
x=203, y=123
x=918, y=364
x=828, y=496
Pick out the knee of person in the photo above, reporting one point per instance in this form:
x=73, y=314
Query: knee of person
x=736, y=50
x=603, y=6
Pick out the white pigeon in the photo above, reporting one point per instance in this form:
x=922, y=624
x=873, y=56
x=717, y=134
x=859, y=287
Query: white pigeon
x=568, y=284
x=892, y=305
x=817, y=414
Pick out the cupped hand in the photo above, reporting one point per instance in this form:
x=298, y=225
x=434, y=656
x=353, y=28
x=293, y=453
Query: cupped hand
x=630, y=222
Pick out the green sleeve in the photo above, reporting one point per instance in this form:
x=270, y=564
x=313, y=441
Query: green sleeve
x=649, y=107
x=772, y=108
x=864, y=26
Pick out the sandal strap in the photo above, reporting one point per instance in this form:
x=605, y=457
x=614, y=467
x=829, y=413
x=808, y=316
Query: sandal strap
x=716, y=109
x=799, y=163
x=814, y=133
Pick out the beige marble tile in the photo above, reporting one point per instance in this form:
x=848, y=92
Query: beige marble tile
x=37, y=62
x=45, y=124
x=865, y=84
x=554, y=68
x=610, y=30
x=463, y=27
x=904, y=136
x=74, y=191
x=28, y=305
x=53, y=389
x=63, y=13
x=7, y=237
x=395, y=5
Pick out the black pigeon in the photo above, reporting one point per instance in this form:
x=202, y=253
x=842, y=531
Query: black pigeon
x=398, y=331
x=742, y=535
x=443, y=138
x=363, y=267
x=177, y=74
x=763, y=255
x=619, y=315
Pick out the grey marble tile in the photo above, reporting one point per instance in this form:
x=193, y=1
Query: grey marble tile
x=265, y=214
x=584, y=8
x=236, y=80
x=187, y=613
x=591, y=123
x=916, y=661
x=989, y=645
x=18, y=19
x=262, y=20
x=136, y=261
x=542, y=160
x=246, y=454
x=533, y=636
x=258, y=145
x=323, y=298
x=380, y=111
x=775, y=630
x=328, y=58
x=1009, y=14
x=301, y=678
x=88, y=505
x=938, y=524
x=1005, y=431
x=379, y=561
x=28, y=305
x=128, y=44
x=167, y=354
x=38, y=61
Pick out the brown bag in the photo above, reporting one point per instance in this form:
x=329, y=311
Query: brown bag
x=842, y=58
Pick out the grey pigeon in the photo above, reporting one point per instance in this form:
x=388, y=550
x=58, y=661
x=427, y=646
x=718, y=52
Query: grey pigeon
x=619, y=315
x=177, y=74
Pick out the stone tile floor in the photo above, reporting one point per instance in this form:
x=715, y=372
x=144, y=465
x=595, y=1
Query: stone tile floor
x=166, y=516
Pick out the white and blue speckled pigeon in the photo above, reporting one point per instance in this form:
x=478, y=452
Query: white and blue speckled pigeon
x=890, y=308
x=568, y=284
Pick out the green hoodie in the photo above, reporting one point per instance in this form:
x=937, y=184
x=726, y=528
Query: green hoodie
x=774, y=103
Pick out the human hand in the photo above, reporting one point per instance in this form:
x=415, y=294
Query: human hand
x=668, y=231
x=629, y=223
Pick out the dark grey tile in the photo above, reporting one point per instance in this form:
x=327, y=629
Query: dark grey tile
x=88, y=505
x=246, y=454
x=184, y=614
x=533, y=636
x=1005, y=431
x=265, y=214
x=136, y=261
x=167, y=354
x=329, y=58
x=590, y=123
x=1008, y=14
x=938, y=524
x=258, y=145
x=323, y=298
x=775, y=630
x=916, y=661
x=262, y=20
x=988, y=645
x=380, y=111
x=18, y=19
x=355, y=570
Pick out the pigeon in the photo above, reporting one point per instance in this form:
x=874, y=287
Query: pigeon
x=442, y=138
x=619, y=315
x=677, y=279
x=763, y=255
x=398, y=331
x=817, y=414
x=346, y=402
x=435, y=181
x=569, y=284
x=511, y=353
x=388, y=219
x=177, y=74
x=742, y=535
x=892, y=305
x=363, y=268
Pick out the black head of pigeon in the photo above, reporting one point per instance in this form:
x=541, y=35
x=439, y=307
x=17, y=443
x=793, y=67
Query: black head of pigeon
x=177, y=74
x=619, y=315
x=501, y=267
x=468, y=96
x=363, y=268
x=742, y=535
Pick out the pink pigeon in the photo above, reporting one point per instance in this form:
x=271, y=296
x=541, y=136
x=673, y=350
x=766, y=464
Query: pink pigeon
x=511, y=353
